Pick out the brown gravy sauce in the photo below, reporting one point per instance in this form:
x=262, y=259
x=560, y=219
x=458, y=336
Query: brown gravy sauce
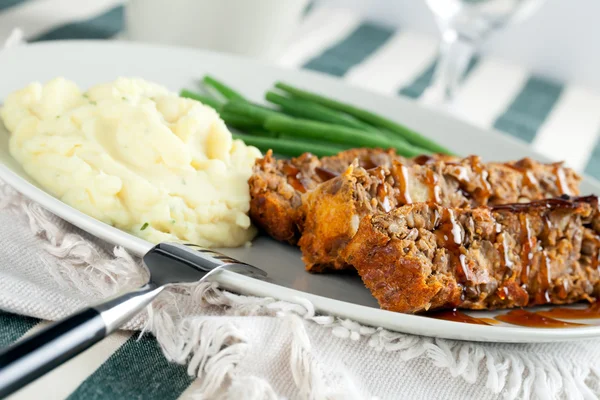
x=423, y=159
x=551, y=204
x=400, y=172
x=534, y=320
x=540, y=319
x=596, y=255
x=382, y=191
x=368, y=163
x=502, y=292
x=507, y=263
x=526, y=251
x=458, y=316
x=431, y=180
x=325, y=174
x=592, y=311
x=545, y=280
x=485, y=191
x=529, y=179
x=563, y=290
x=450, y=235
x=293, y=177
x=559, y=174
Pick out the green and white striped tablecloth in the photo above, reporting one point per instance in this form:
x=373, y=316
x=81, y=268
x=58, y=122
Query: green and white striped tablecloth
x=559, y=120
x=123, y=366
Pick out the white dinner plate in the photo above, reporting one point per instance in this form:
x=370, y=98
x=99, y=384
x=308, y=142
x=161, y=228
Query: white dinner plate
x=91, y=62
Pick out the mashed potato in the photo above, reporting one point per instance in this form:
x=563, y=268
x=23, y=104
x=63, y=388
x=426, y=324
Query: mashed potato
x=136, y=156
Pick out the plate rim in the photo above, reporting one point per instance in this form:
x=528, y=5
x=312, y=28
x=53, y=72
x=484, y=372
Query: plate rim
x=239, y=283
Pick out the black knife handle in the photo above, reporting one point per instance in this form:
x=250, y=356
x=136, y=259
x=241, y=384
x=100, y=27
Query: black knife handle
x=32, y=357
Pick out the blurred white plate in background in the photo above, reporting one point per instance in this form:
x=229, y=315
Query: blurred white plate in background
x=255, y=28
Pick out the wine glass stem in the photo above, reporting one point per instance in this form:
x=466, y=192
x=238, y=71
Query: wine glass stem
x=456, y=51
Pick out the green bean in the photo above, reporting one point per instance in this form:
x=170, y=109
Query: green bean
x=366, y=116
x=257, y=113
x=223, y=89
x=239, y=121
x=338, y=146
x=202, y=99
x=313, y=111
x=264, y=133
x=338, y=134
x=406, y=149
x=324, y=131
x=287, y=147
x=261, y=132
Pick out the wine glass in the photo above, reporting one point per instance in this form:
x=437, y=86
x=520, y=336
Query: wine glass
x=464, y=25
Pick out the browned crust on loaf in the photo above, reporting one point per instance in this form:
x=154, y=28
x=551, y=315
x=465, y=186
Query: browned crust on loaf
x=545, y=252
x=333, y=209
x=277, y=186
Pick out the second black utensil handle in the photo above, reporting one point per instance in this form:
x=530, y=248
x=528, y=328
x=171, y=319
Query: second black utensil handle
x=32, y=357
